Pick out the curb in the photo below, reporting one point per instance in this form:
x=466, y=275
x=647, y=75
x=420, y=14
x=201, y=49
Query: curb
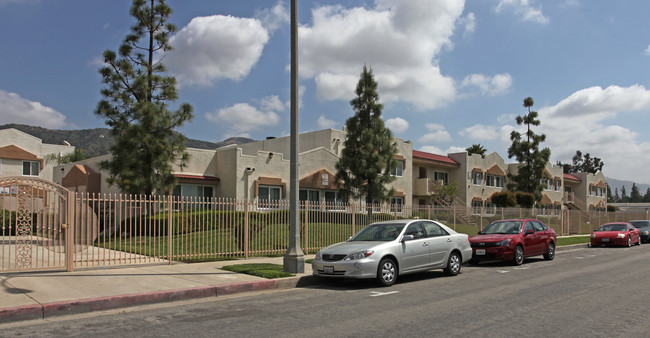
x=572, y=246
x=64, y=308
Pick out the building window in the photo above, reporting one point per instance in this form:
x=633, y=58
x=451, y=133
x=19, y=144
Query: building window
x=396, y=204
x=188, y=190
x=476, y=206
x=309, y=195
x=477, y=177
x=441, y=176
x=558, y=185
x=268, y=197
x=547, y=184
x=494, y=181
x=31, y=168
x=399, y=169
x=490, y=208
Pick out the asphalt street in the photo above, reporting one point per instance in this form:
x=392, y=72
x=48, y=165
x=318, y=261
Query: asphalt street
x=596, y=292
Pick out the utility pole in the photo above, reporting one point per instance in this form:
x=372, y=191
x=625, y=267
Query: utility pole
x=294, y=259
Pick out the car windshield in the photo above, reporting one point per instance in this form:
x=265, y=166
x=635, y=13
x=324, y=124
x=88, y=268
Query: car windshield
x=640, y=224
x=503, y=227
x=378, y=232
x=613, y=227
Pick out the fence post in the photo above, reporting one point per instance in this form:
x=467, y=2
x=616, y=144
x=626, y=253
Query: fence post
x=69, y=231
x=354, y=218
x=170, y=227
x=429, y=211
x=246, y=225
x=306, y=245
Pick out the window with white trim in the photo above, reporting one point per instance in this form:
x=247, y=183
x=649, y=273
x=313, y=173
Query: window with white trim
x=310, y=195
x=476, y=206
x=31, y=168
x=441, y=176
x=547, y=183
x=190, y=190
x=494, y=181
x=269, y=193
x=399, y=169
x=396, y=204
x=558, y=185
x=477, y=177
x=490, y=208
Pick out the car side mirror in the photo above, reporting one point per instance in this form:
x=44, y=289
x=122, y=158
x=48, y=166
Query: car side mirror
x=529, y=232
x=479, y=233
x=407, y=238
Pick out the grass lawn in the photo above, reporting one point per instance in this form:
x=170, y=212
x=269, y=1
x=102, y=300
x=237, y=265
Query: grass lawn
x=573, y=240
x=264, y=270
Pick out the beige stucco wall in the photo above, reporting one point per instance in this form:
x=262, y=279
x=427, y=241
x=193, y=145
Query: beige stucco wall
x=582, y=190
x=463, y=177
x=34, y=145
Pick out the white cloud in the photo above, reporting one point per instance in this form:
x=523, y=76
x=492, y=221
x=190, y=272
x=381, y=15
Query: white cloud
x=275, y=17
x=480, y=132
x=325, y=123
x=243, y=117
x=489, y=86
x=399, y=40
x=397, y=125
x=437, y=133
x=432, y=150
x=506, y=118
x=647, y=51
x=15, y=109
x=469, y=21
x=525, y=9
x=216, y=47
x=272, y=103
x=582, y=122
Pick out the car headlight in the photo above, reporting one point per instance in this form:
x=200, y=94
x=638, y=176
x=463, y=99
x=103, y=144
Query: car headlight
x=646, y=232
x=358, y=255
x=504, y=242
x=593, y=235
x=318, y=255
x=620, y=235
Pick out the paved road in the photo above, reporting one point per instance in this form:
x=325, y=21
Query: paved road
x=586, y=292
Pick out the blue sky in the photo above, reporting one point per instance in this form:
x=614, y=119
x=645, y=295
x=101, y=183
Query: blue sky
x=451, y=73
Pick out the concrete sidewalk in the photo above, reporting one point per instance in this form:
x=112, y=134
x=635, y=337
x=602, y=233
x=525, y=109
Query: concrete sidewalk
x=37, y=295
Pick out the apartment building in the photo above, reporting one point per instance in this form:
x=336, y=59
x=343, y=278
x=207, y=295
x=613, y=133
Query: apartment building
x=22, y=154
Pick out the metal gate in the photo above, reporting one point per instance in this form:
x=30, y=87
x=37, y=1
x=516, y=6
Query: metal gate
x=34, y=225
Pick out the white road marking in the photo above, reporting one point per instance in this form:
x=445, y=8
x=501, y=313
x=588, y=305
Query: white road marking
x=503, y=271
x=375, y=293
x=521, y=268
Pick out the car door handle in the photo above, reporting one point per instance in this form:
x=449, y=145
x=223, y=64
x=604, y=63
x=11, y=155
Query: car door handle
x=449, y=240
x=425, y=244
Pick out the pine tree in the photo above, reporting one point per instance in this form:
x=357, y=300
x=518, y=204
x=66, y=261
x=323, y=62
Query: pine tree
x=646, y=197
x=610, y=198
x=624, y=197
x=532, y=160
x=635, y=195
x=136, y=95
x=368, y=156
x=617, y=198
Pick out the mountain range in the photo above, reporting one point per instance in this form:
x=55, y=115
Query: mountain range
x=98, y=141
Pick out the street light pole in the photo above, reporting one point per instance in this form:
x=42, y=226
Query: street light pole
x=294, y=259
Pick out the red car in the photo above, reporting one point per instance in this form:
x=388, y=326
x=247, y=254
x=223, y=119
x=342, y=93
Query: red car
x=513, y=240
x=620, y=233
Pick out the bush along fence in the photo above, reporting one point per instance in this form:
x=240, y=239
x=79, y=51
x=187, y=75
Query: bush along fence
x=111, y=229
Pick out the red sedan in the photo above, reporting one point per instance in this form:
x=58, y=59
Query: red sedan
x=513, y=240
x=621, y=233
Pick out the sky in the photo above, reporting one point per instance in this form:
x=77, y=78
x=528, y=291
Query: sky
x=451, y=73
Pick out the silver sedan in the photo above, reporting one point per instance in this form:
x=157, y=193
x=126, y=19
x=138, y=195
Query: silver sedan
x=385, y=250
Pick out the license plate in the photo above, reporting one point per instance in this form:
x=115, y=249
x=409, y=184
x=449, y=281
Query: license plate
x=328, y=269
x=605, y=239
x=480, y=251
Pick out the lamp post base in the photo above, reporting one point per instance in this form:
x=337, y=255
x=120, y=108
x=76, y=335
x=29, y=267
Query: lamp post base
x=294, y=262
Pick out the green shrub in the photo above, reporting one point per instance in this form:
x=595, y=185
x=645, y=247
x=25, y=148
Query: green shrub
x=525, y=200
x=504, y=199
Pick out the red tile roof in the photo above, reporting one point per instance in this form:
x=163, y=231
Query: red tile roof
x=569, y=177
x=198, y=177
x=433, y=157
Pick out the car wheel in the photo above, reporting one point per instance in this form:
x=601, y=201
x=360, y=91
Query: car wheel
x=518, y=257
x=386, y=272
x=550, y=252
x=629, y=241
x=453, y=264
x=639, y=241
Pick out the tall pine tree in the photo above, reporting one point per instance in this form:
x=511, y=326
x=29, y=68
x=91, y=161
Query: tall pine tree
x=526, y=150
x=136, y=95
x=368, y=156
